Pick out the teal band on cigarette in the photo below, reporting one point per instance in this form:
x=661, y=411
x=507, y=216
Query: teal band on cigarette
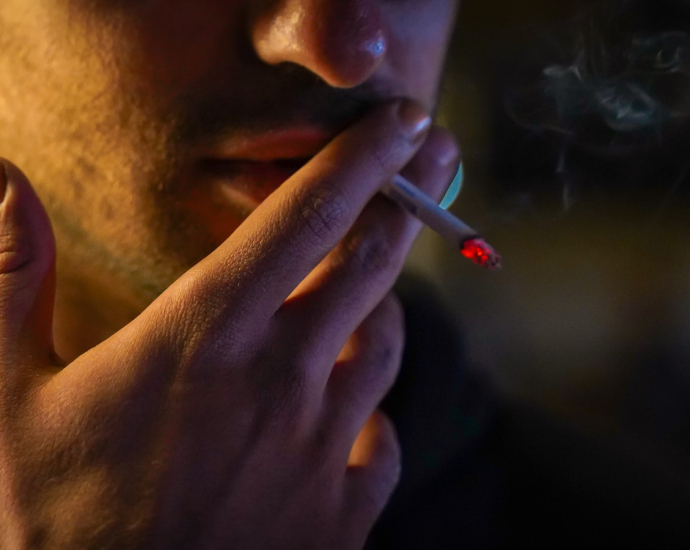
x=453, y=190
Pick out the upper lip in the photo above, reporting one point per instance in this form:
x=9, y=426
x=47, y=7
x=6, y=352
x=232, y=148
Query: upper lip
x=281, y=144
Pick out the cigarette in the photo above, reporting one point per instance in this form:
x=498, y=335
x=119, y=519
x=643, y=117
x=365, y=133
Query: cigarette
x=453, y=230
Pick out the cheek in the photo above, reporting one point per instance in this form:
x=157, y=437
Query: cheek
x=177, y=42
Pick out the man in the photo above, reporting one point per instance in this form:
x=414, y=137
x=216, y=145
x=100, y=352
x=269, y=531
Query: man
x=223, y=329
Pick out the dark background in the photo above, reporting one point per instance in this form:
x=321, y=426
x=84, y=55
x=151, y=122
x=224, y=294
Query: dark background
x=587, y=327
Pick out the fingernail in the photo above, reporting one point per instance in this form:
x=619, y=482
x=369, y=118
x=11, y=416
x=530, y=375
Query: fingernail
x=448, y=155
x=3, y=182
x=413, y=118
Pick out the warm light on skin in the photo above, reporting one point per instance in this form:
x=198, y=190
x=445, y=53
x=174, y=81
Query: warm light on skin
x=191, y=195
x=283, y=31
x=108, y=106
x=365, y=444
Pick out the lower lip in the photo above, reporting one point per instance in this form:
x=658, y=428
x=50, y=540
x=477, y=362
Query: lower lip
x=250, y=183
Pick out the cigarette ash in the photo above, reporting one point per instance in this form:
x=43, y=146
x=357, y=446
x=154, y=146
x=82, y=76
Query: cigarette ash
x=481, y=253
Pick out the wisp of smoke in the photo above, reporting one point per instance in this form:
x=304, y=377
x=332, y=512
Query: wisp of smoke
x=621, y=91
x=617, y=88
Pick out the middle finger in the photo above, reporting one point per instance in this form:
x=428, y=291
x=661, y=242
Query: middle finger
x=350, y=282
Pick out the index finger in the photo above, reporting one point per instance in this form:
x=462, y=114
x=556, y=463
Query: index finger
x=277, y=246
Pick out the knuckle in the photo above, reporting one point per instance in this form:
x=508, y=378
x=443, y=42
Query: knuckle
x=324, y=212
x=385, y=340
x=27, y=242
x=382, y=160
x=385, y=361
x=188, y=320
x=377, y=254
x=18, y=258
x=12, y=257
x=386, y=352
x=381, y=368
x=200, y=325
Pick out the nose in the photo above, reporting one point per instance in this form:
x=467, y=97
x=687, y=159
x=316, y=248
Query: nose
x=341, y=41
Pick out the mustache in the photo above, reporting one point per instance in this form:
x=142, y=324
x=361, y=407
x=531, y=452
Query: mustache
x=297, y=98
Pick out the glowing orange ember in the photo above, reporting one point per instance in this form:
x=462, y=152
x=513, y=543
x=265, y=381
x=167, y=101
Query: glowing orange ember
x=481, y=253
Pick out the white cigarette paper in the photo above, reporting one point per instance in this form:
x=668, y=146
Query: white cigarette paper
x=456, y=232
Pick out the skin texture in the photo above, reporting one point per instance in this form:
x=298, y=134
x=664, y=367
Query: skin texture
x=210, y=373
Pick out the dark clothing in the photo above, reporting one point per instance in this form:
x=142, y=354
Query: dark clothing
x=481, y=471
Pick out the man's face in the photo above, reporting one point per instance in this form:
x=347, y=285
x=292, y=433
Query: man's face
x=152, y=128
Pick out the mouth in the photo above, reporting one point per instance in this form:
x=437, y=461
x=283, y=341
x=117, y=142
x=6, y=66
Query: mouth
x=248, y=183
x=249, y=169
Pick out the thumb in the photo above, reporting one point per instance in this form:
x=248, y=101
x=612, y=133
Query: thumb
x=27, y=272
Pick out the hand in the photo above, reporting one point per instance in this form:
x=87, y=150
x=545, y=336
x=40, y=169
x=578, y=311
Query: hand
x=238, y=410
